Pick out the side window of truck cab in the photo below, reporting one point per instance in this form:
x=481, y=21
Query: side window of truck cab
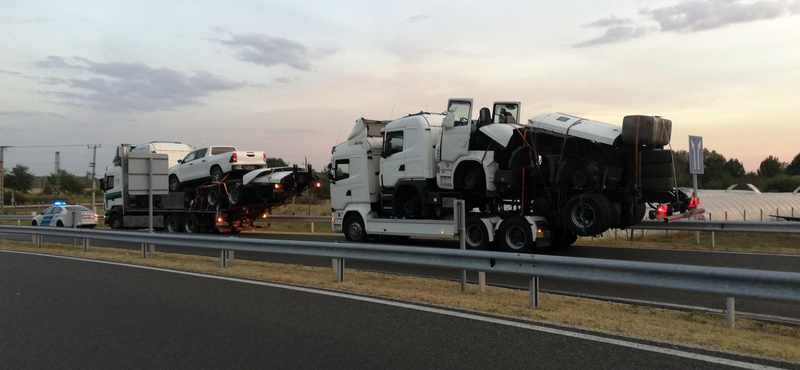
x=189, y=157
x=393, y=143
x=342, y=169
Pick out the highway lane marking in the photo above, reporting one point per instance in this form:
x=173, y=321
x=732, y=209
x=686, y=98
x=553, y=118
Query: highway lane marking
x=442, y=311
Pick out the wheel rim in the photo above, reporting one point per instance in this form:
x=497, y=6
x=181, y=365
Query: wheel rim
x=173, y=183
x=515, y=237
x=234, y=197
x=191, y=226
x=212, y=198
x=355, y=231
x=216, y=174
x=583, y=215
x=474, y=235
x=172, y=224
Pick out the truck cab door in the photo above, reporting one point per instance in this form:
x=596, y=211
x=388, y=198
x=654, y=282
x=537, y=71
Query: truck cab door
x=506, y=112
x=393, y=163
x=456, y=130
x=185, y=167
x=199, y=168
x=341, y=192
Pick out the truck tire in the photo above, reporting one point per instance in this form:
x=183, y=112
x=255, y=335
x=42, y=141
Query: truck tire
x=477, y=235
x=215, y=198
x=238, y=195
x=191, y=224
x=656, y=156
x=588, y=214
x=515, y=235
x=354, y=230
x=632, y=214
x=217, y=174
x=657, y=170
x=174, y=184
x=115, y=221
x=172, y=224
x=657, y=184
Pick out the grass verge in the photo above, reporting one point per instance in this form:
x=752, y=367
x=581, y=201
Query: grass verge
x=689, y=328
x=685, y=240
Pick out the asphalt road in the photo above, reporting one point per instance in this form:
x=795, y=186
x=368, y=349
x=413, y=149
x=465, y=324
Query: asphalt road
x=654, y=296
x=68, y=314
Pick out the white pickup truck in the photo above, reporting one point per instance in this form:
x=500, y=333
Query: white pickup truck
x=214, y=163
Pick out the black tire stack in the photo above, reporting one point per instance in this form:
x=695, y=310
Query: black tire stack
x=656, y=170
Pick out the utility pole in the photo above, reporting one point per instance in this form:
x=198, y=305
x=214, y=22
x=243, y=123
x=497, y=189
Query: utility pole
x=57, y=185
x=308, y=197
x=2, y=185
x=94, y=172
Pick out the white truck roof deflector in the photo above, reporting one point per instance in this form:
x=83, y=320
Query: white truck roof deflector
x=573, y=126
x=501, y=133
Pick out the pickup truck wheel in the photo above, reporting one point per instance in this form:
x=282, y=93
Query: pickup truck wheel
x=476, y=234
x=174, y=184
x=354, y=230
x=238, y=195
x=217, y=174
x=115, y=221
x=515, y=235
x=191, y=224
x=214, y=198
x=172, y=224
x=588, y=214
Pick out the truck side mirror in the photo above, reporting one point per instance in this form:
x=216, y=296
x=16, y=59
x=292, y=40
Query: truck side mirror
x=102, y=184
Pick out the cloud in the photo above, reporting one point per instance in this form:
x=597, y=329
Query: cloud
x=124, y=87
x=609, y=22
x=270, y=51
x=699, y=15
x=691, y=16
x=417, y=18
x=617, y=34
x=10, y=72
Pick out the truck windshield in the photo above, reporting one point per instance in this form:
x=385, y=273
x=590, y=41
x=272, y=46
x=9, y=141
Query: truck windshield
x=222, y=149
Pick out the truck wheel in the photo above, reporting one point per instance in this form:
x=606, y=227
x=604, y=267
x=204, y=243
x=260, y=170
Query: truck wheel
x=354, y=230
x=656, y=156
x=174, y=184
x=632, y=214
x=657, y=170
x=191, y=224
x=217, y=174
x=587, y=214
x=515, y=235
x=413, y=206
x=477, y=236
x=657, y=184
x=213, y=198
x=115, y=221
x=238, y=195
x=172, y=224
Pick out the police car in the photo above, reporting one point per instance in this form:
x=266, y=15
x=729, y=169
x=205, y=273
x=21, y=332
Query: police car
x=62, y=214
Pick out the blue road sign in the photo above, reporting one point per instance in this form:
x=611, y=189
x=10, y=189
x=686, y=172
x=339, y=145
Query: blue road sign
x=696, y=165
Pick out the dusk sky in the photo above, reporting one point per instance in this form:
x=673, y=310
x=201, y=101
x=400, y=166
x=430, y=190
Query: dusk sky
x=290, y=78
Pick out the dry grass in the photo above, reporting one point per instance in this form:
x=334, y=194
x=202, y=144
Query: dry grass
x=692, y=328
x=725, y=241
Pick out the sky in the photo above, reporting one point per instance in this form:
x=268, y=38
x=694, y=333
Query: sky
x=291, y=77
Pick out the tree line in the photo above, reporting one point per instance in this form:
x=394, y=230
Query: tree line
x=772, y=175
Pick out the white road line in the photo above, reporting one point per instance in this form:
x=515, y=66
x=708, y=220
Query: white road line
x=440, y=311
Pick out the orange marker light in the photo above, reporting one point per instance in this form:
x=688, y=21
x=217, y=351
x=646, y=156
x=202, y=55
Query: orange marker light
x=220, y=219
x=317, y=184
x=278, y=186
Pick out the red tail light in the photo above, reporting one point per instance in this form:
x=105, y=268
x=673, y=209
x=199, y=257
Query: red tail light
x=317, y=184
x=278, y=186
x=220, y=219
x=234, y=158
x=662, y=209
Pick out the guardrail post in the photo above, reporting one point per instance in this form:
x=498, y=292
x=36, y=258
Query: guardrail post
x=85, y=244
x=461, y=213
x=151, y=249
x=481, y=281
x=230, y=256
x=534, y=303
x=762, y=214
x=713, y=241
x=744, y=215
x=19, y=223
x=730, y=310
x=338, y=268
x=223, y=258
x=312, y=227
x=144, y=250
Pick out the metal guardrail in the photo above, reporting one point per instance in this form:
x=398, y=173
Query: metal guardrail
x=733, y=226
x=729, y=282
